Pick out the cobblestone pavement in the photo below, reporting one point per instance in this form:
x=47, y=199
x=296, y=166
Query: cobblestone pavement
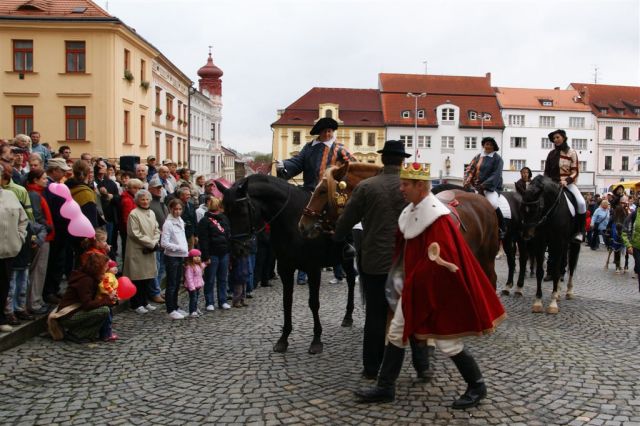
x=580, y=366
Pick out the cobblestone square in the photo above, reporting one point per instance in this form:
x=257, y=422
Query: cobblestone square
x=577, y=367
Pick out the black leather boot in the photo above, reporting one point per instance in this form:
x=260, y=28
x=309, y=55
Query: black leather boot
x=579, y=223
x=502, y=229
x=385, y=389
x=476, y=389
x=421, y=357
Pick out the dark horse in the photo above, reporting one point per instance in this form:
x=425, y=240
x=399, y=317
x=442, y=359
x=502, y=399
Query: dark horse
x=265, y=199
x=514, y=240
x=547, y=219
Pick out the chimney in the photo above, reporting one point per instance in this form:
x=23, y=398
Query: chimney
x=556, y=88
x=488, y=77
x=585, y=95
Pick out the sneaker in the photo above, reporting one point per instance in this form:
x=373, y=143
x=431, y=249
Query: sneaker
x=194, y=315
x=226, y=306
x=6, y=328
x=175, y=315
x=111, y=338
x=150, y=307
x=335, y=281
x=183, y=313
x=141, y=310
x=199, y=312
x=210, y=308
x=237, y=305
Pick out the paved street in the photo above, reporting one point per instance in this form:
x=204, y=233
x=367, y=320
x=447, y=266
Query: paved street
x=580, y=366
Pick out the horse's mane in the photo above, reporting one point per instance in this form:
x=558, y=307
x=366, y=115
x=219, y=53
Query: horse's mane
x=331, y=181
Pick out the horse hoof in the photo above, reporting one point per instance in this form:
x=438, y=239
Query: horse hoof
x=552, y=309
x=316, y=348
x=537, y=309
x=569, y=296
x=347, y=322
x=517, y=293
x=505, y=292
x=280, y=346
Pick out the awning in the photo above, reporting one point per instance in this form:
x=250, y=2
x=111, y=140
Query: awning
x=628, y=184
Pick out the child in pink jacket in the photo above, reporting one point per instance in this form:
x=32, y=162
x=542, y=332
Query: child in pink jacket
x=193, y=280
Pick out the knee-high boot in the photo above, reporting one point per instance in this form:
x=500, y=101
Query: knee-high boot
x=580, y=221
x=502, y=230
x=476, y=389
x=385, y=389
x=422, y=357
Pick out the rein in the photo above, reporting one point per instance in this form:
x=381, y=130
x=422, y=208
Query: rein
x=551, y=209
x=278, y=213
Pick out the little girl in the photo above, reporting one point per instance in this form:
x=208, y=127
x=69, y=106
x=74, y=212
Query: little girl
x=193, y=280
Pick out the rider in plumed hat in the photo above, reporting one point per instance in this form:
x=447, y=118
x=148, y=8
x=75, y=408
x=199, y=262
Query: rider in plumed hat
x=316, y=156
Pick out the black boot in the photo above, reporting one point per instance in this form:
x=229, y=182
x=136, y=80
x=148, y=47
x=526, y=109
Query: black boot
x=476, y=389
x=502, y=230
x=580, y=221
x=421, y=357
x=385, y=390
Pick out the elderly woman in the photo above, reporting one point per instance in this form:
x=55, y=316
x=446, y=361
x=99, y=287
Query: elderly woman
x=599, y=222
x=143, y=236
x=127, y=205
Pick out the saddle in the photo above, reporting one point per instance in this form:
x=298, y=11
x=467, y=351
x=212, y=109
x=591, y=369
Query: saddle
x=572, y=201
x=448, y=198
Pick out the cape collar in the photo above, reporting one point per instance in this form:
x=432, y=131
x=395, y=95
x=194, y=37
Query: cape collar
x=414, y=219
x=327, y=143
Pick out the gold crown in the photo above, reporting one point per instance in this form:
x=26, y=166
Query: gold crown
x=416, y=171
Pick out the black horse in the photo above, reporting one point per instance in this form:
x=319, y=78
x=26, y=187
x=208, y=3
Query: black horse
x=260, y=199
x=547, y=219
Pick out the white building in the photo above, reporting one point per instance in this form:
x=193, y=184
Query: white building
x=617, y=131
x=449, y=118
x=530, y=115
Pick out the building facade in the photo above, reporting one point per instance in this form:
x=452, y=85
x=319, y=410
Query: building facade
x=229, y=158
x=77, y=75
x=529, y=116
x=617, y=131
x=440, y=119
x=357, y=111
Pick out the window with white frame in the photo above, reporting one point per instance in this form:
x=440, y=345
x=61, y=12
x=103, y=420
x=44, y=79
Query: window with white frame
x=582, y=165
x=406, y=114
x=625, y=163
x=547, y=121
x=296, y=138
x=546, y=102
x=447, y=142
x=420, y=113
x=607, y=162
x=608, y=132
x=546, y=144
x=470, y=142
x=576, y=122
x=448, y=114
x=407, y=140
x=542, y=164
x=517, y=164
x=358, y=138
x=579, y=144
x=516, y=120
x=371, y=139
x=625, y=133
x=424, y=141
x=473, y=115
x=518, y=142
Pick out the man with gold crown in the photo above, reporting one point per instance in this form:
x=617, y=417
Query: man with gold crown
x=444, y=293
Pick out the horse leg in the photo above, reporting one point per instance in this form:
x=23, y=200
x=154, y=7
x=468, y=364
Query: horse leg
x=314, y=304
x=574, y=253
x=350, y=271
x=537, y=304
x=557, y=251
x=286, y=276
x=524, y=255
x=509, y=251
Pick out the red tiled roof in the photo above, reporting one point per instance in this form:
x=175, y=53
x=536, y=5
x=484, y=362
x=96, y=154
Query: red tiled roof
x=357, y=107
x=51, y=8
x=467, y=93
x=521, y=98
x=620, y=101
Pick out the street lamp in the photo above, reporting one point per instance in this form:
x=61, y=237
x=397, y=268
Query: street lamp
x=415, y=133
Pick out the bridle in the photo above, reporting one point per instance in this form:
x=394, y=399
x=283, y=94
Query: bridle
x=539, y=203
x=323, y=222
x=252, y=215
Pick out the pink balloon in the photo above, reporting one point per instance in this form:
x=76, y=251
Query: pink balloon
x=79, y=225
x=126, y=289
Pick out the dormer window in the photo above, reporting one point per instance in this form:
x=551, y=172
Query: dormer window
x=406, y=114
x=420, y=113
x=486, y=116
x=546, y=102
x=328, y=113
x=620, y=111
x=448, y=114
x=637, y=111
x=473, y=115
x=604, y=111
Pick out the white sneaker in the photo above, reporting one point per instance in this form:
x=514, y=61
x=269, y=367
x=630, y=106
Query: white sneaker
x=141, y=310
x=333, y=281
x=183, y=313
x=6, y=328
x=226, y=306
x=210, y=308
x=194, y=315
x=175, y=315
x=150, y=307
x=199, y=312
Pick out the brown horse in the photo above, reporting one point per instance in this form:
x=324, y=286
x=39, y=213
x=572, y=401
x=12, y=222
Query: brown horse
x=477, y=219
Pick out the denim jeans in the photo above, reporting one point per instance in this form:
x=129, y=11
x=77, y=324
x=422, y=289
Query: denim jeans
x=154, y=290
x=107, y=326
x=338, y=273
x=17, y=298
x=252, y=267
x=193, y=300
x=174, y=277
x=217, y=271
x=302, y=276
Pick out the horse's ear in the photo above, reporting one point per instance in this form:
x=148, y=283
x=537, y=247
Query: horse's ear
x=243, y=187
x=340, y=171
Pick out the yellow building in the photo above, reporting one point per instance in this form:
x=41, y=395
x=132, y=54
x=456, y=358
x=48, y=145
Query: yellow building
x=357, y=111
x=78, y=75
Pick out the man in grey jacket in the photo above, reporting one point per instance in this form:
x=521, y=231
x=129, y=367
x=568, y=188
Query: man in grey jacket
x=377, y=202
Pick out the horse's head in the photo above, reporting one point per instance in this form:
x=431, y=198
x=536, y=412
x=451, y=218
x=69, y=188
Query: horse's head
x=239, y=209
x=321, y=211
x=536, y=202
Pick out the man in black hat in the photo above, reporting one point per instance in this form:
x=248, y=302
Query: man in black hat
x=484, y=174
x=377, y=203
x=562, y=166
x=316, y=156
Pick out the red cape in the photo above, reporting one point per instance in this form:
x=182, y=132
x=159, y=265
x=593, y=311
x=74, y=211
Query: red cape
x=441, y=304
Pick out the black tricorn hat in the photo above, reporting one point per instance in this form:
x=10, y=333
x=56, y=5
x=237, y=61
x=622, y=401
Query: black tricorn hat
x=493, y=141
x=560, y=132
x=324, y=123
x=394, y=148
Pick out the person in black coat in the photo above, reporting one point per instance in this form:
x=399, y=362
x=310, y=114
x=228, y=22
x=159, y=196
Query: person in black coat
x=525, y=180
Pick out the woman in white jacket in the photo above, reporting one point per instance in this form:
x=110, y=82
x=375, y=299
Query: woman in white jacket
x=176, y=249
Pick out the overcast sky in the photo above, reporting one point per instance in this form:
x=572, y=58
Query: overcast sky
x=274, y=51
